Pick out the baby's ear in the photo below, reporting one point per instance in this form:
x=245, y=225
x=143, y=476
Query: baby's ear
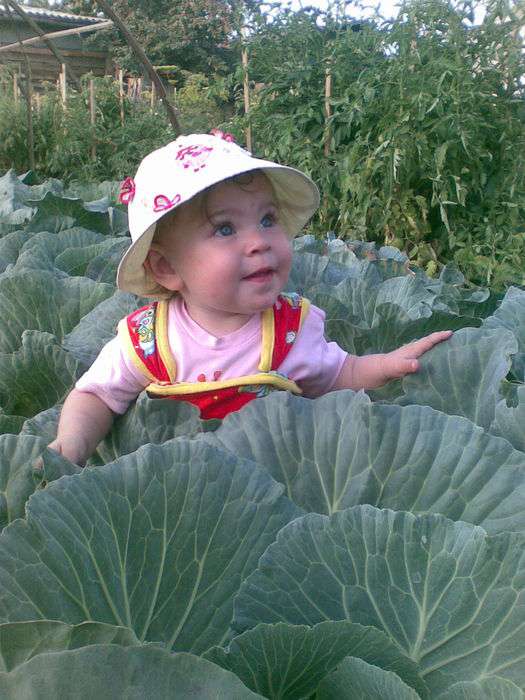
x=161, y=270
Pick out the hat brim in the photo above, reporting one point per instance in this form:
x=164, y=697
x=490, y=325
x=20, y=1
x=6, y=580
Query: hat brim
x=297, y=197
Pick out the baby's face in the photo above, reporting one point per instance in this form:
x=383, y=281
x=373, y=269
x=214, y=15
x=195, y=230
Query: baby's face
x=232, y=260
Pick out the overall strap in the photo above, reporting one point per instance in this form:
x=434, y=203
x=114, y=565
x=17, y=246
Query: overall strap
x=280, y=326
x=144, y=334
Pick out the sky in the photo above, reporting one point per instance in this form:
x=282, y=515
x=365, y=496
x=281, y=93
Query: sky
x=387, y=8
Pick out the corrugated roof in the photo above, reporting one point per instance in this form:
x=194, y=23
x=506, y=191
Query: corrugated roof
x=43, y=14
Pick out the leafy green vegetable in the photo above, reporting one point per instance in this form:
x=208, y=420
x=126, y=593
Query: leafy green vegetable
x=343, y=450
x=192, y=536
x=108, y=671
x=450, y=596
x=357, y=680
x=159, y=541
x=39, y=300
x=287, y=661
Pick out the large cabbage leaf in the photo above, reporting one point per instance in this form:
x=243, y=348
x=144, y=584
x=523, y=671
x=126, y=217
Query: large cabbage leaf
x=343, y=450
x=21, y=641
x=355, y=679
x=18, y=477
x=463, y=376
x=86, y=339
x=109, y=671
x=36, y=376
x=39, y=300
x=55, y=213
x=509, y=421
x=159, y=542
x=289, y=661
x=449, y=595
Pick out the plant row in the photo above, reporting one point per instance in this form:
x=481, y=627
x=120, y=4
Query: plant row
x=350, y=546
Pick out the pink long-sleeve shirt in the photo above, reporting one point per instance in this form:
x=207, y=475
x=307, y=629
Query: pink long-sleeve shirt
x=313, y=363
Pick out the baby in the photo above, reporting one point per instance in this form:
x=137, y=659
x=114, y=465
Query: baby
x=211, y=229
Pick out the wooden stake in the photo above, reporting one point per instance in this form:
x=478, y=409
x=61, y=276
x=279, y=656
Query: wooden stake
x=63, y=85
x=121, y=94
x=30, y=131
x=327, y=108
x=153, y=97
x=15, y=88
x=92, y=116
x=139, y=53
x=246, y=90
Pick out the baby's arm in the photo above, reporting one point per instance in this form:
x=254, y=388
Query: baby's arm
x=84, y=421
x=372, y=371
x=106, y=389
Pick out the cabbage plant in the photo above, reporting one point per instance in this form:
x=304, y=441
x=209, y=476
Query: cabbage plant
x=360, y=545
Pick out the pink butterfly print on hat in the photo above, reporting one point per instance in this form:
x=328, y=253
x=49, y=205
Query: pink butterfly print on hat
x=127, y=191
x=224, y=135
x=194, y=157
x=163, y=203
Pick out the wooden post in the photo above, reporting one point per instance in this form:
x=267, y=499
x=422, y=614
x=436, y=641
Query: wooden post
x=15, y=88
x=139, y=53
x=92, y=117
x=121, y=94
x=246, y=90
x=30, y=131
x=327, y=108
x=139, y=88
x=63, y=84
x=153, y=97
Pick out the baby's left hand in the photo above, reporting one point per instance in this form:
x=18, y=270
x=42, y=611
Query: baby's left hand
x=372, y=371
x=403, y=361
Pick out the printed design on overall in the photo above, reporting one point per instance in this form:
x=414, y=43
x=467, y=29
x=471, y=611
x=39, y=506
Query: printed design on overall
x=216, y=376
x=290, y=337
x=163, y=203
x=261, y=390
x=144, y=325
x=194, y=157
x=292, y=298
x=127, y=191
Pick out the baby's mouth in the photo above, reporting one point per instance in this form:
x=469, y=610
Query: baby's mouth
x=260, y=275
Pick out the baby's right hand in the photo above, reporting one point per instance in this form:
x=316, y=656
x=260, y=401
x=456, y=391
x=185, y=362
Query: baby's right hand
x=70, y=449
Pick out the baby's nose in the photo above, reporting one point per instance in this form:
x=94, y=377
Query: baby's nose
x=256, y=240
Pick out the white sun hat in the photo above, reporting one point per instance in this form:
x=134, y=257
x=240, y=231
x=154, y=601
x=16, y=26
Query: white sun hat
x=173, y=174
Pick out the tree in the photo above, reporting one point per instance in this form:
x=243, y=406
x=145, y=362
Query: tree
x=195, y=35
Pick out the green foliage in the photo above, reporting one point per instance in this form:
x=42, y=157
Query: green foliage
x=64, y=138
x=195, y=35
x=199, y=101
x=426, y=131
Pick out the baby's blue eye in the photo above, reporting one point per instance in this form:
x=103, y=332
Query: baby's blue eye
x=224, y=230
x=268, y=220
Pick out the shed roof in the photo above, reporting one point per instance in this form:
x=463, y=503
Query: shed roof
x=45, y=15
